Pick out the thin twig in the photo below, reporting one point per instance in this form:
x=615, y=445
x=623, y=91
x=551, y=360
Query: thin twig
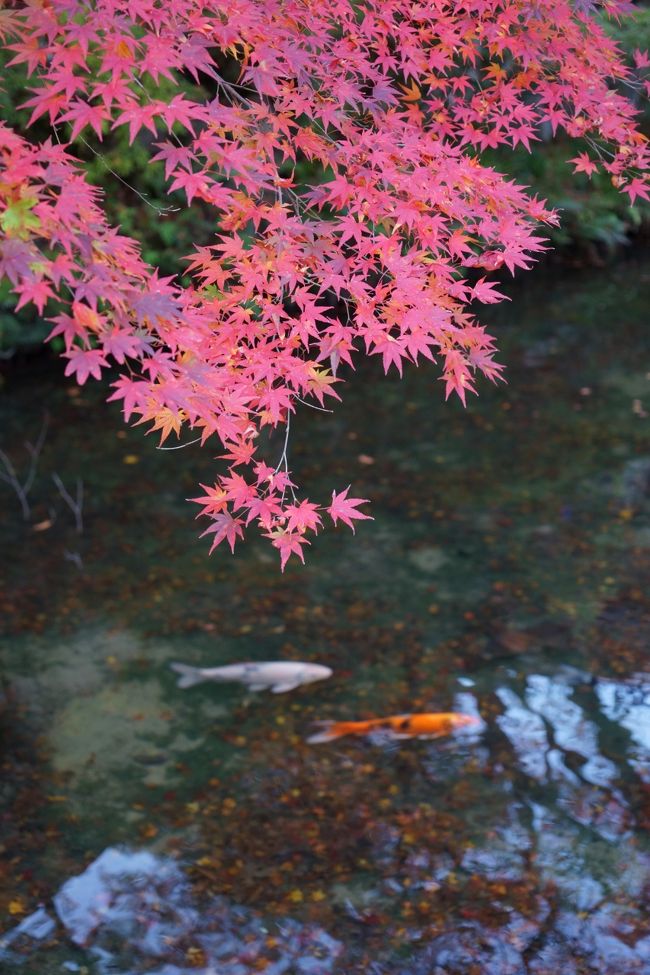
x=284, y=460
x=283, y=456
x=161, y=211
x=74, y=557
x=180, y=445
x=76, y=507
x=312, y=406
x=34, y=451
x=10, y=476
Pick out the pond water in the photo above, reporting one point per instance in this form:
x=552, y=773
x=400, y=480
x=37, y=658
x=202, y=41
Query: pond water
x=506, y=574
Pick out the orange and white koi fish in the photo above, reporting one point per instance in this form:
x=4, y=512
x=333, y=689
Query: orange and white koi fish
x=434, y=725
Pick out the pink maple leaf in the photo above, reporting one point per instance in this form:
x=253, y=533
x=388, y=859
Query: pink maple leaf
x=214, y=500
x=302, y=516
x=345, y=508
x=486, y=292
x=119, y=343
x=265, y=510
x=84, y=363
x=81, y=114
x=637, y=187
x=134, y=393
x=36, y=290
x=224, y=526
x=583, y=164
x=288, y=544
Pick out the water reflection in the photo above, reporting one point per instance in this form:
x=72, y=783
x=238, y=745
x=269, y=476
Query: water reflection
x=526, y=732
x=551, y=734
x=628, y=704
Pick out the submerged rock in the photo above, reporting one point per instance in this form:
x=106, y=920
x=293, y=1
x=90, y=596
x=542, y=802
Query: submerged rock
x=37, y=927
x=635, y=482
x=474, y=948
x=428, y=558
x=129, y=909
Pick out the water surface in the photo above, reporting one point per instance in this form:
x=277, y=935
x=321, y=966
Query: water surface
x=506, y=574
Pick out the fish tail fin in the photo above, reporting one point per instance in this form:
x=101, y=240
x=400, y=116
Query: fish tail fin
x=189, y=676
x=329, y=731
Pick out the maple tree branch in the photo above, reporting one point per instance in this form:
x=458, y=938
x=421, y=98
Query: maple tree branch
x=600, y=150
x=228, y=85
x=348, y=165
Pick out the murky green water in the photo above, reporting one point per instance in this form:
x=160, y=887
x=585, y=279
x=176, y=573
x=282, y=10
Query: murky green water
x=506, y=573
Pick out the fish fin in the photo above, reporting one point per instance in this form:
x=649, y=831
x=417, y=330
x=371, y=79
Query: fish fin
x=257, y=687
x=384, y=736
x=329, y=731
x=189, y=676
x=288, y=686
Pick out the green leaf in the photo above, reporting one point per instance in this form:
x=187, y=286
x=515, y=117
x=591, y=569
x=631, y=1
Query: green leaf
x=18, y=219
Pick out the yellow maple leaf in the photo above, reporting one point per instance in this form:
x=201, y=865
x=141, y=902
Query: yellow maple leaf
x=123, y=50
x=320, y=379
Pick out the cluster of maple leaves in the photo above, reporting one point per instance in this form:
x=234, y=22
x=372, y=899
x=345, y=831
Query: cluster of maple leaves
x=390, y=102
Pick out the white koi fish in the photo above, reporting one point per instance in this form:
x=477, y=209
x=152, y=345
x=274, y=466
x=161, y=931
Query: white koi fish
x=277, y=675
